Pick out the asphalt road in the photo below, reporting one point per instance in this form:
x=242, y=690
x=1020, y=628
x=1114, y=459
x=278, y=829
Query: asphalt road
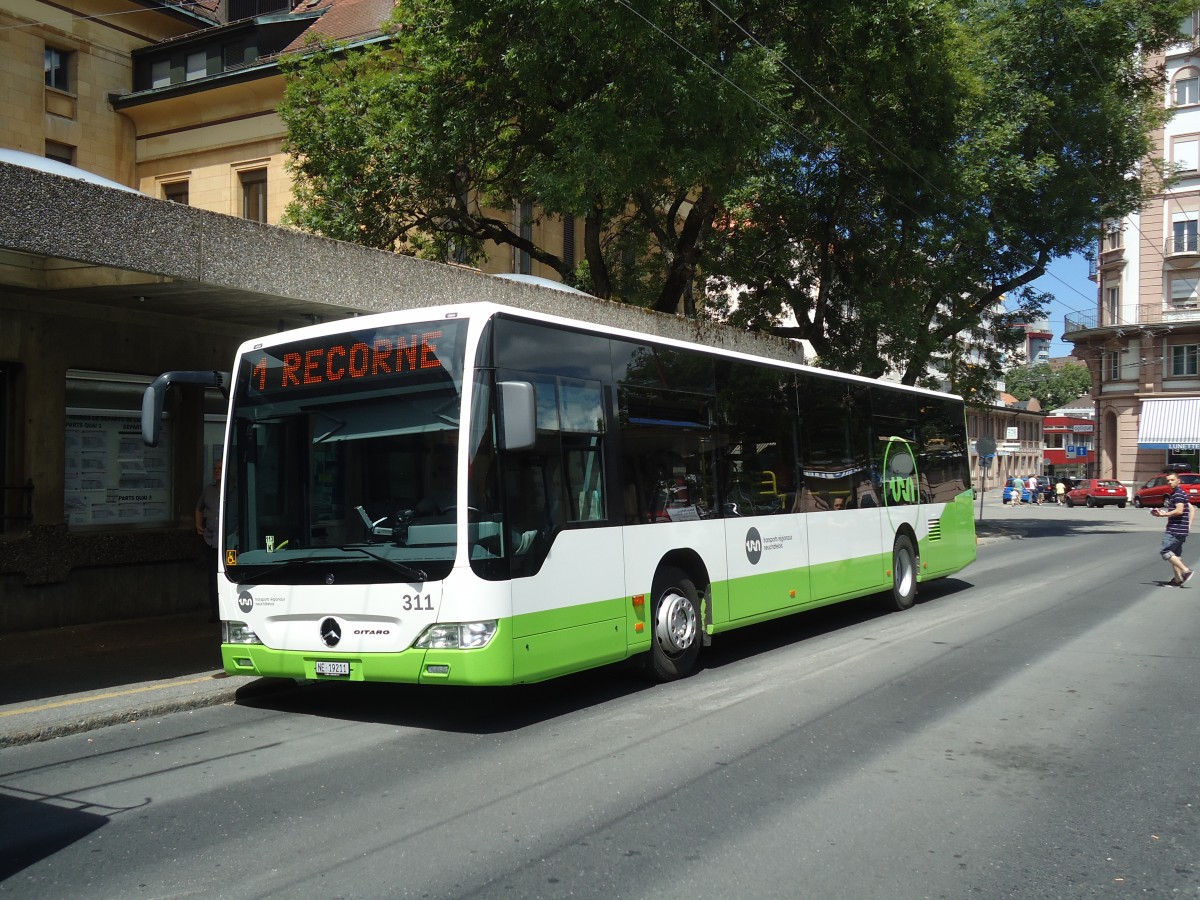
x=1029, y=729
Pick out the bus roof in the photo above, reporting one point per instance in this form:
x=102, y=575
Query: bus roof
x=694, y=335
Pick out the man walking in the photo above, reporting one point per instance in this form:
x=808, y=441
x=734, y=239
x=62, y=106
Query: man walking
x=1176, y=511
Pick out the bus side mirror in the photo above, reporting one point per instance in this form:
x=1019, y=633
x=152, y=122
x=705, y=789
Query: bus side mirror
x=152, y=407
x=156, y=393
x=518, y=415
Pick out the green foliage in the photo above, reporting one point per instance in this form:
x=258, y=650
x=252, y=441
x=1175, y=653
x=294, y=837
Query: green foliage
x=882, y=179
x=582, y=107
x=1009, y=131
x=1053, y=389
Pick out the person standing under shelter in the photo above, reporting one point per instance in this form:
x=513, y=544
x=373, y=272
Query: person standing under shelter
x=207, y=516
x=1177, y=511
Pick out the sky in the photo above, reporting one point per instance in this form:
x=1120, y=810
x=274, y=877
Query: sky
x=1067, y=280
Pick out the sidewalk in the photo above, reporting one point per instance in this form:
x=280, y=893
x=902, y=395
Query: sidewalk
x=67, y=680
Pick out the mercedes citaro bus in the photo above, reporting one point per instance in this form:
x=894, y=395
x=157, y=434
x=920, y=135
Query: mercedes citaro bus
x=480, y=495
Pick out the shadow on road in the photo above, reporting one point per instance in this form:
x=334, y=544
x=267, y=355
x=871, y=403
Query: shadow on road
x=1059, y=521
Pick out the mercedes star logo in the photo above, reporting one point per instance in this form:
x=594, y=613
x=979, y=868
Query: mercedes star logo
x=331, y=632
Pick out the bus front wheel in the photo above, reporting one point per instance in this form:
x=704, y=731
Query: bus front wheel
x=904, y=572
x=675, y=623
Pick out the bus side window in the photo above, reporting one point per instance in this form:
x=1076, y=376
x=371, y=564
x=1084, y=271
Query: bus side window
x=832, y=467
x=667, y=445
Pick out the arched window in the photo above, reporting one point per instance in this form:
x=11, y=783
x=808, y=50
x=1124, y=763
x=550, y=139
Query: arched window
x=1185, y=88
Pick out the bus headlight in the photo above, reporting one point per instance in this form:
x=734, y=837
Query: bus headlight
x=457, y=636
x=238, y=633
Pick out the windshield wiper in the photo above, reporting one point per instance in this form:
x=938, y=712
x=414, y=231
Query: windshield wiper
x=274, y=570
x=405, y=570
x=338, y=425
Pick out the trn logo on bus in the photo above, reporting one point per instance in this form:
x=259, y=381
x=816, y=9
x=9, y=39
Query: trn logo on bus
x=902, y=489
x=754, y=546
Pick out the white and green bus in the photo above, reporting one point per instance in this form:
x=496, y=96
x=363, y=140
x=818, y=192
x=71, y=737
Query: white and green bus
x=481, y=495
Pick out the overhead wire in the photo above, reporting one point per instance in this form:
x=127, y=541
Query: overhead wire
x=1087, y=172
x=187, y=7
x=792, y=126
x=1091, y=62
x=841, y=112
x=1130, y=219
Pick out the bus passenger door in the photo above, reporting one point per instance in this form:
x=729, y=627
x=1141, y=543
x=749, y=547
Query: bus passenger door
x=566, y=562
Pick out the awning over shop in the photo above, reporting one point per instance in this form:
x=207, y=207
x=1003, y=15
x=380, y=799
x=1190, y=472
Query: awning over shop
x=1170, y=424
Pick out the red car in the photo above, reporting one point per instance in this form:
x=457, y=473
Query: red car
x=1156, y=490
x=1098, y=492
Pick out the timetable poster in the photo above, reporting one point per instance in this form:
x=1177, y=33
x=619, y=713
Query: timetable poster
x=111, y=477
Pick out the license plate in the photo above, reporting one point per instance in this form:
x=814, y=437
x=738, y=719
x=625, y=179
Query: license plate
x=326, y=667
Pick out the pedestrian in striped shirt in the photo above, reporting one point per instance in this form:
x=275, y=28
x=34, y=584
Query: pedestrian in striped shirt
x=1178, y=512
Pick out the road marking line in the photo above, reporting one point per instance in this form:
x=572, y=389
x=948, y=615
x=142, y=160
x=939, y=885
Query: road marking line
x=107, y=696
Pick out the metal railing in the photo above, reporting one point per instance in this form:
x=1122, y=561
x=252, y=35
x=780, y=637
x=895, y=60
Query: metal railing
x=1143, y=314
x=1185, y=242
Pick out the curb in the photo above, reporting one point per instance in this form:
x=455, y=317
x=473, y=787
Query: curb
x=1002, y=534
x=63, y=725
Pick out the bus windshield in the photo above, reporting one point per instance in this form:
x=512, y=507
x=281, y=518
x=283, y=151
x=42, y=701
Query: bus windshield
x=342, y=454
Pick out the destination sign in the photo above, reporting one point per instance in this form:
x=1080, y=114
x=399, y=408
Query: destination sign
x=337, y=361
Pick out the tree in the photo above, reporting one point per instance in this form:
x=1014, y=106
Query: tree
x=636, y=123
x=1053, y=389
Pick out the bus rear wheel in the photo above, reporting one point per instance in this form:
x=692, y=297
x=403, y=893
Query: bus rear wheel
x=904, y=572
x=675, y=624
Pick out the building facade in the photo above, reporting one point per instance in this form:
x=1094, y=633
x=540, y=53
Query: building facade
x=1069, y=446
x=1016, y=428
x=1037, y=341
x=1142, y=345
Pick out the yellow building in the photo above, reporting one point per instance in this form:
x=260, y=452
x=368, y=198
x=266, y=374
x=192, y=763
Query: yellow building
x=58, y=66
x=180, y=101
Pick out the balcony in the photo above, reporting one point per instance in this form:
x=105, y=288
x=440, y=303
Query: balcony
x=1145, y=315
x=1183, y=248
x=1076, y=322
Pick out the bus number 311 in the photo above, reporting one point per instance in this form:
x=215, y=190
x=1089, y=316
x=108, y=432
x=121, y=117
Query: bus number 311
x=417, y=602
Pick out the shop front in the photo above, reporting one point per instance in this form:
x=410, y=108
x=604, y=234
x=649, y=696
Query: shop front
x=1171, y=427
